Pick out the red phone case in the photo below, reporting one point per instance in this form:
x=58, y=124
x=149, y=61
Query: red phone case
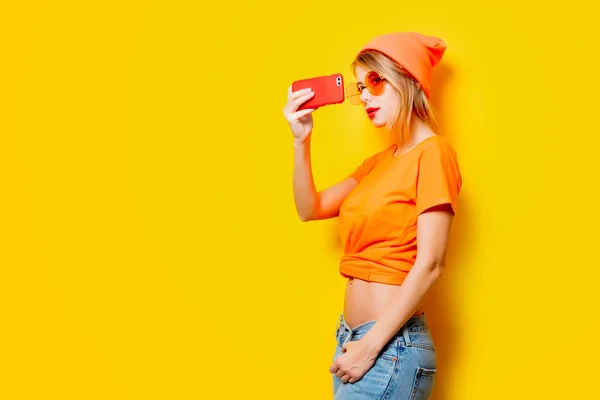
x=328, y=89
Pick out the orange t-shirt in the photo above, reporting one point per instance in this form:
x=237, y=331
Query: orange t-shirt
x=378, y=219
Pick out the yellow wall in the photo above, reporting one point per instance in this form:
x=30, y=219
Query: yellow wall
x=149, y=243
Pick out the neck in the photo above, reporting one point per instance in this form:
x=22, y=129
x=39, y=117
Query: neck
x=419, y=131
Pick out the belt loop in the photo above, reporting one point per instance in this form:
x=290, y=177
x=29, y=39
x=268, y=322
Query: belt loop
x=347, y=338
x=349, y=332
x=406, y=336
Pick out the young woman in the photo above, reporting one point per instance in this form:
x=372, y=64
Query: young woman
x=401, y=196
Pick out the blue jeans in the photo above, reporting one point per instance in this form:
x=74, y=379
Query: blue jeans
x=404, y=370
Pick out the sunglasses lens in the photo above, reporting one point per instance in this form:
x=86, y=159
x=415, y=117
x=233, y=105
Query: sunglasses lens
x=374, y=83
x=353, y=93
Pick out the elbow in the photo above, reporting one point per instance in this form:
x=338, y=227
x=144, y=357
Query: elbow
x=305, y=216
x=308, y=214
x=310, y=208
x=437, y=270
x=434, y=269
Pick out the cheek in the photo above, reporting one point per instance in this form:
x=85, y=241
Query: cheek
x=390, y=100
x=388, y=105
x=391, y=103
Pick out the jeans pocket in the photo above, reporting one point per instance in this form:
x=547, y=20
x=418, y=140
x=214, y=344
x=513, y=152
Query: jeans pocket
x=424, y=346
x=423, y=383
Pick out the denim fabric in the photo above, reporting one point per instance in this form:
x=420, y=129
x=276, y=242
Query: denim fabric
x=404, y=370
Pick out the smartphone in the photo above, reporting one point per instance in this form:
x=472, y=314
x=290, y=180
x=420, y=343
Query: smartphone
x=328, y=89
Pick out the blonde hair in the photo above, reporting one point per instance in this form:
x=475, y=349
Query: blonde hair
x=413, y=101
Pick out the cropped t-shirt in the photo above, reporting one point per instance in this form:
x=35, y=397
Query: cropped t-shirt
x=378, y=218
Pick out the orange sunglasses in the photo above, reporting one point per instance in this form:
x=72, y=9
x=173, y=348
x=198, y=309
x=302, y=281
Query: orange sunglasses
x=373, y=83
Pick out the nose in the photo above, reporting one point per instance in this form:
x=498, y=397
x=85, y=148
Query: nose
x=365, y=95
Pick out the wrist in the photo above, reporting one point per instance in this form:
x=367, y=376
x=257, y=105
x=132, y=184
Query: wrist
x=374, y=342
x=299, y=144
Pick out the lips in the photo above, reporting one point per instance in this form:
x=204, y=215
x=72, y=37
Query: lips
x=371, y=111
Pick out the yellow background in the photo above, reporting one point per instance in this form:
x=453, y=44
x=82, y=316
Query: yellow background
x=149, y=243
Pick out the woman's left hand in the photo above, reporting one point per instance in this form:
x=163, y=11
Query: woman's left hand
x=356, y=360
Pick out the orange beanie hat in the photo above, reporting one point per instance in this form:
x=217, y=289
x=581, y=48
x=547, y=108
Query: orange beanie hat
x=417, y=53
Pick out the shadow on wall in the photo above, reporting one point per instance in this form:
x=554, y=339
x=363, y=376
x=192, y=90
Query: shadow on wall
x=441, y=305
x=441, y=76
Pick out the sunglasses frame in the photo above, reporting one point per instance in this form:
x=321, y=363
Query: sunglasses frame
x=360, y=89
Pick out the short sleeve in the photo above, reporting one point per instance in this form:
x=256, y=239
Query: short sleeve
x=358, y=173
x=438, y=180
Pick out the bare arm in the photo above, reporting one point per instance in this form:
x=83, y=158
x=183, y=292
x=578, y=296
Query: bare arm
x=433, y=230
x=310, y=203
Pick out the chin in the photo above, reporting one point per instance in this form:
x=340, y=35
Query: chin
x=379, y=122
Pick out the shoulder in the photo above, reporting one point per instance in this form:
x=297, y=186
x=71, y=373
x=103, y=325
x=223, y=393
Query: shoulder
x=437, y=148
x=439, y=179
x=437, y=142
x=438, y=159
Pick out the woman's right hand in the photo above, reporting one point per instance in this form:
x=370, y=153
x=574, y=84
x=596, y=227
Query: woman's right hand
x=301, y=122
